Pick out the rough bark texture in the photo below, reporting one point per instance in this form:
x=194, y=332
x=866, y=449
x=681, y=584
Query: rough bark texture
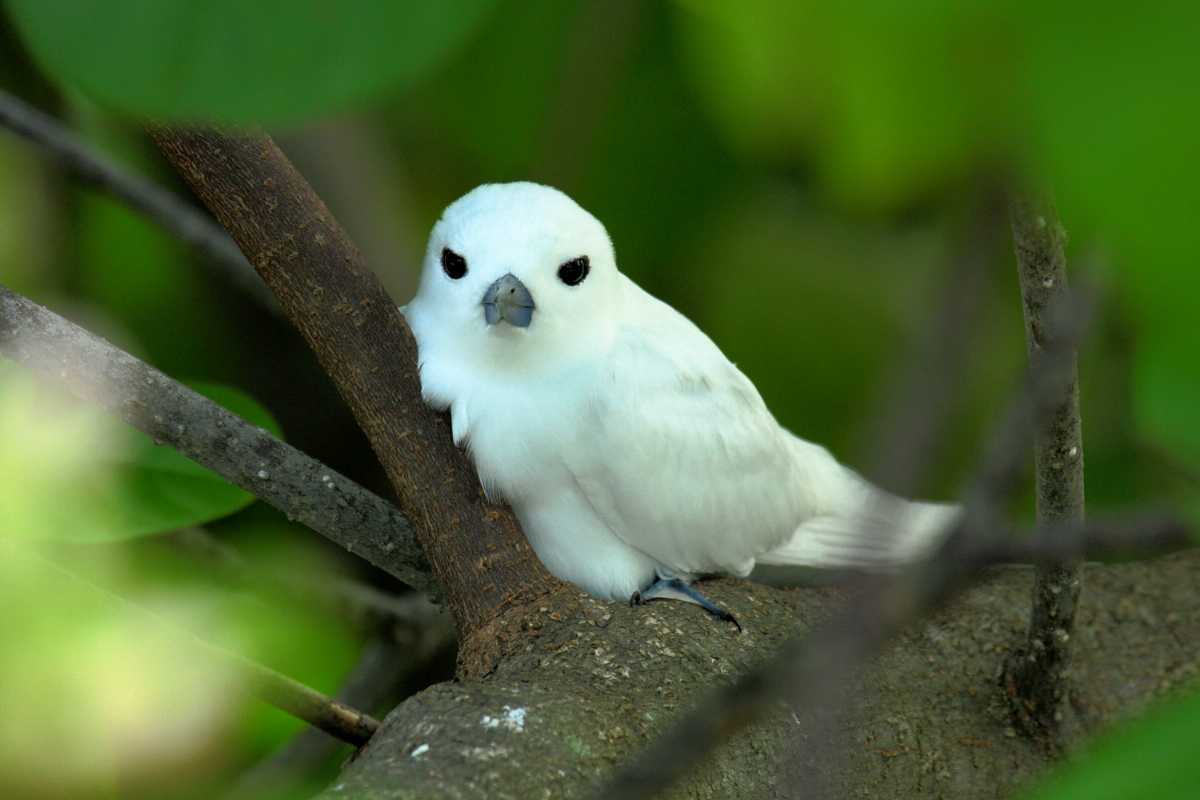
x=1034, y=676
x=601, y=680
x=476, y=549
x=248, y=456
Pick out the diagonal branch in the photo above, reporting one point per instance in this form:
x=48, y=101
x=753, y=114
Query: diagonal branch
x=332, y=716
x=158, y=205
x=301, y=487
x=1034, y=675
x=476, y=549
x=335, y=718
x=385, y=672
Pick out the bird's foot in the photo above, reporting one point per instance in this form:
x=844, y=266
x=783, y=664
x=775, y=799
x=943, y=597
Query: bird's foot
x=676, y=589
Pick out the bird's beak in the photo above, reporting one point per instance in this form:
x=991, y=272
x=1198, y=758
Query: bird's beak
x=507, y=299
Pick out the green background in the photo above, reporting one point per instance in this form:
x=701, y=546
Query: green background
x=804, y=181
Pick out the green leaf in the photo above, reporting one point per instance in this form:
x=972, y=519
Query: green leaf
x=231, y=60
x=1153, y=758
x=79, y=475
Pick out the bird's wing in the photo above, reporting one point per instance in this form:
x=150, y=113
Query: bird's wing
x=680, y=456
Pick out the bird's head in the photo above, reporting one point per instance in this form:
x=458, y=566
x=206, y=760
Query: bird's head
x=516, y=275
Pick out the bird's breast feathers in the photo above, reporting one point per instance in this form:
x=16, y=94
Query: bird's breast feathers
x=670, y=444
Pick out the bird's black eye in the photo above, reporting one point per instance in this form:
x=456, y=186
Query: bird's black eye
x=574, y=271
x=453, y=264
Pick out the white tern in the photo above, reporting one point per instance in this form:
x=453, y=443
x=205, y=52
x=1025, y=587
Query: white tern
x=636, y=456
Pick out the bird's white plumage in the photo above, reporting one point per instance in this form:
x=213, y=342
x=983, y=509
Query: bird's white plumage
x=627, y=444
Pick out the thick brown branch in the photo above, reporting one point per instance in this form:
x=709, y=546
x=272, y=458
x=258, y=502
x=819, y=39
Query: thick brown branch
x=1034, y=676
x=476, y=549
x=301, y=487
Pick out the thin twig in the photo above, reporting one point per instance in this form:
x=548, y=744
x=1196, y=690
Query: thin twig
x=1148, y=534
x=304, y=489
x=1034, y=675
x=284, y=772
x=158, y=205
x=337, y=719
x=384, y=673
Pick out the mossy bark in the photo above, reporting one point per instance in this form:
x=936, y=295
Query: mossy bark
x=585, y=685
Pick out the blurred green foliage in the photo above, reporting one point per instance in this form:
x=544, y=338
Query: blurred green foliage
x=801, y=179
x=265, y=61
x=77, y=474
x=102, y=700
x=1152, y=758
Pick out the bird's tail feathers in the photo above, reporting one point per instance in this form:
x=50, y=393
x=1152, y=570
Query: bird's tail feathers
x=882, y=535
x=854, y=525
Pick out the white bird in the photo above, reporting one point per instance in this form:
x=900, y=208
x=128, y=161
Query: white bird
x=636, y=456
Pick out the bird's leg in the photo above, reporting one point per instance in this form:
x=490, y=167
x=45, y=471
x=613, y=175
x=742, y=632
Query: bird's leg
x=676, y=589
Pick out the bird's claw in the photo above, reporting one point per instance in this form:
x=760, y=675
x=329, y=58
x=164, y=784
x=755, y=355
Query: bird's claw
x=676, y=589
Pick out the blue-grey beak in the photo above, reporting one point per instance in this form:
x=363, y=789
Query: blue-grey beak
x=507, y=299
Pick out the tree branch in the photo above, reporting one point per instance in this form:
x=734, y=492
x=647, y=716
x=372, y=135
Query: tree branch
x=1143, y=535
x=476, y=549
x=247, y=456
x=337, y=719
x=1034, y=675
x=383, y=672
x=156, y=204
